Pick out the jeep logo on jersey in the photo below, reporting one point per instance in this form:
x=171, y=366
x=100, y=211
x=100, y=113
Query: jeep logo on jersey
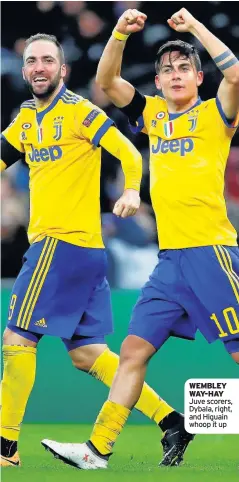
x=53, y=153
x=183, y=146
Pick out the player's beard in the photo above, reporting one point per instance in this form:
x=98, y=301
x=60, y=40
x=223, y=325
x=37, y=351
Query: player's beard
x=49, y=90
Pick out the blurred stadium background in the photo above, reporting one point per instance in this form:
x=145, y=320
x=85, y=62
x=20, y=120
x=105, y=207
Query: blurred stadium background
x=83, y=29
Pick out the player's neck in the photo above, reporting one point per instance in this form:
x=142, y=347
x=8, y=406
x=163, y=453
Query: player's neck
x=176, y=108
x=41, y=103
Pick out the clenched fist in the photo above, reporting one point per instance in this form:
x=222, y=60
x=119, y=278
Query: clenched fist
x=128, y=204
x=182, y=21
x=131, y=21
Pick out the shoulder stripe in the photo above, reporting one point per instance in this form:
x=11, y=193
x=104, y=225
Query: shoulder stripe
x=67, y=101
x=23, y=106
x=71, y=98
x=69, y=93
x=29, y=101
x=28, y=107
x=28, y=104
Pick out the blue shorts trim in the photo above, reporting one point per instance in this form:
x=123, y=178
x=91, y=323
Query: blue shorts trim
x=75, y=342
x=26, y=334
x=232, y=346
x=78, y=341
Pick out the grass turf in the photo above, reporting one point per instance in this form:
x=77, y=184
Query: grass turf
x=211, y=458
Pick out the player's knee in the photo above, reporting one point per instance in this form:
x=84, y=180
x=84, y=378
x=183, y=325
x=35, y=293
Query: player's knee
x=7, y=337
x=82, y=363
x=84, y=357
x=12, y=338
x=135, y=351
x=235, y=357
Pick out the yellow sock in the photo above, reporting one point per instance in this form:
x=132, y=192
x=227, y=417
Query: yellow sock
x=108, y=426
x=16, y=386
x=149, y=403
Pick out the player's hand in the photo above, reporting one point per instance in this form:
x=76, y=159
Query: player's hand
x=128, y=204
x=182, y=21
x=131, y=21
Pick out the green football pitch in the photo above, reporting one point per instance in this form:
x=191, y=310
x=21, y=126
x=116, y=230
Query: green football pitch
x=211, y=458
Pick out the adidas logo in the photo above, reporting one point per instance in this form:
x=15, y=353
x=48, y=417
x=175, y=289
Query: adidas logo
x=41, y=323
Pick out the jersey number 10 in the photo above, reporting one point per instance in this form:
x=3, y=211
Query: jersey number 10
x=231, y=320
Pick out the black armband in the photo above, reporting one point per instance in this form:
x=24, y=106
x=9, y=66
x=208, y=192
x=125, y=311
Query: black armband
x=136, y=107
x=9, y=154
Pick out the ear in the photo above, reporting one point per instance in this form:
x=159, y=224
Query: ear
x=157, y=82
x=200, y=77
x=63, y=71
x=23, y=73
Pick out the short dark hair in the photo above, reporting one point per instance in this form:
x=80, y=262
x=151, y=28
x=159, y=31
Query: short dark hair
x=49, y=38
x=184, y=48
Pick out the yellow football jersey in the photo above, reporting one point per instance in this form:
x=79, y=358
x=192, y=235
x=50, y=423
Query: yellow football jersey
x=60, y=143
x=188, y=155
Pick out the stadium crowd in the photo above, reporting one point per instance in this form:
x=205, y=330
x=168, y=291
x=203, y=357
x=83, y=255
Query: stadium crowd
x=83, y=29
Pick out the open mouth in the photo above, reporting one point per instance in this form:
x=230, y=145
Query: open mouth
x=39, y=81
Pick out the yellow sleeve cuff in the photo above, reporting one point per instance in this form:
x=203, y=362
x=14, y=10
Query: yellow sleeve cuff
x=119, y=36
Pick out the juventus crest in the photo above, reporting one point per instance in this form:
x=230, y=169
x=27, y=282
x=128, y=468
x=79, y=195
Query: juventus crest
x=58, y=127
x=193, y=118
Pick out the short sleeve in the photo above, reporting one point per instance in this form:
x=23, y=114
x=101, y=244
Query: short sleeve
x=230, y=126
x=12, y=134
x=91, y=122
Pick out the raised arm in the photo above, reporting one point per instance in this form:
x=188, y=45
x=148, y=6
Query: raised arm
x=108, y=75
x=225, y=60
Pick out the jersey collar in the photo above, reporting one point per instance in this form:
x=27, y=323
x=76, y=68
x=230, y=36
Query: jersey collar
x=40, y=115
x=176, y=115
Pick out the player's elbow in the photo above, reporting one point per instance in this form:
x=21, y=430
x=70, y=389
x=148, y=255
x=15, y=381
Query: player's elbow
x=104, y=84
x=138, y=158
x=234, y=79
x=237, y=79
x=106, y=81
